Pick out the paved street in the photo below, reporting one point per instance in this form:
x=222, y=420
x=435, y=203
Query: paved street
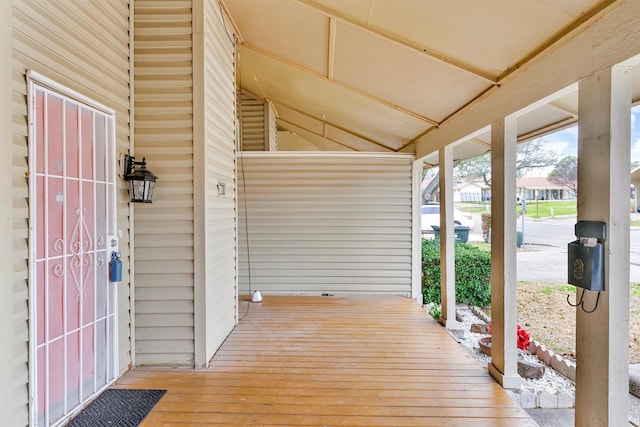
x=544, y=256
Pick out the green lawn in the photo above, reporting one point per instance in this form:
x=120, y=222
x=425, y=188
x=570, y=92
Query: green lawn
x=542, y=208
x=535, y=209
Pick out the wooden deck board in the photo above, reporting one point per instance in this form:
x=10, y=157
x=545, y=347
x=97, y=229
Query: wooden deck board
x=311, y=361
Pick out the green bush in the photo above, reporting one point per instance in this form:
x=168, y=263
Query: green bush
x=473, y=273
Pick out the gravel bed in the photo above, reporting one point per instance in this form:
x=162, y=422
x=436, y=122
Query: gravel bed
x=551, y=382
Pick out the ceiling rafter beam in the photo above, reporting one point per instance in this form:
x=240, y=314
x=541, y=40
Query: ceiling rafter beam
x=416, y=138
x=481, y=142
x=285, y=122
x=331, y=54
x=427, y=165
x=328, y=123
x=342, y=144
x=563, y=109
x=339, y=84
x=413, y=141
x=283, y=128
x=545, y=130
x=564, y=32
x=438, y=56
x=232, y=22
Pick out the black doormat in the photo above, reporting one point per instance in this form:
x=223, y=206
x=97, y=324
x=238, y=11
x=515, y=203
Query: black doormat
x=118, y=407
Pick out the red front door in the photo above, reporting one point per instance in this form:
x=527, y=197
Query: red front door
x=73, y=305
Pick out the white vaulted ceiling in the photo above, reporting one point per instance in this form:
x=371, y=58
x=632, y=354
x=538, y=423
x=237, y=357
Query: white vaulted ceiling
x=376, y=75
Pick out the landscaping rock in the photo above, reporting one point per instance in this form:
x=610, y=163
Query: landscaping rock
x=479, y=328
x=530, y=370
x=634, y=380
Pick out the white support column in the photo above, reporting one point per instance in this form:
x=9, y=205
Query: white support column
x=416, y=252
x=602, y=337
x=504, y=316
x=447, y=250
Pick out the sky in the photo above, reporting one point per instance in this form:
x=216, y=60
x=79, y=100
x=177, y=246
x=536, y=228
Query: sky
x=565, y=142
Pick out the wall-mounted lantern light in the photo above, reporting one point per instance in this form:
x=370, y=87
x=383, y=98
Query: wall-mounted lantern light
x=141, y=181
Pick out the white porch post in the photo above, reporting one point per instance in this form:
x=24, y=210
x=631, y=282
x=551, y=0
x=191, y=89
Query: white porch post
x=447, y=255
x=8, y=393
x=602, y=337
x=503, y=365
x=416, y=255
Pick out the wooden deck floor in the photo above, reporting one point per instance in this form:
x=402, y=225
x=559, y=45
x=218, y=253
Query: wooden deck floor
x=317, y=361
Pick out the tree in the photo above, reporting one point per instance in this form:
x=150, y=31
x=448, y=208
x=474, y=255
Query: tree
x=431, y=187
x=529, y=155
x=566, y=173
x=533, y=155
x=475, y=168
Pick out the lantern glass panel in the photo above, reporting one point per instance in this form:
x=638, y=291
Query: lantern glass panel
x=140, y=191
x=149, y=190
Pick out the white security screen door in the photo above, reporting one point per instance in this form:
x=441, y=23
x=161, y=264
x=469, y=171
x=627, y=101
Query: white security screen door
x=72, y=234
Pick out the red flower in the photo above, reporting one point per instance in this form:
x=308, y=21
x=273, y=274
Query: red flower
x=523, y=339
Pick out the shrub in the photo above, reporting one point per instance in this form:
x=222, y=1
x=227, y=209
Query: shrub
x=472, y=269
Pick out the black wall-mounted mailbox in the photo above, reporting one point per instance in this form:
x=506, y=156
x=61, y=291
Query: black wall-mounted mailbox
x=586, y=256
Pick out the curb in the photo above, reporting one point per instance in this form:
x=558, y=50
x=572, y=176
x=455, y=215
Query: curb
x=559, y=364
x=480, y=314
x=527, y=399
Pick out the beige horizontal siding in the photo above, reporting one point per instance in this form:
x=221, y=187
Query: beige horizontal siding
x=253, y=123
x=164, y=134
x=160, y=322
x=331, y=223
x=84, y=46
x=220, y=214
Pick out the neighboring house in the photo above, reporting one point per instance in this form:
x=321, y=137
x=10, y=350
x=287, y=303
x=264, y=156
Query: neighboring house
x=471, y=192
x=85, y=82
x=462, y=192
x=635, y=182
x=542, y=188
